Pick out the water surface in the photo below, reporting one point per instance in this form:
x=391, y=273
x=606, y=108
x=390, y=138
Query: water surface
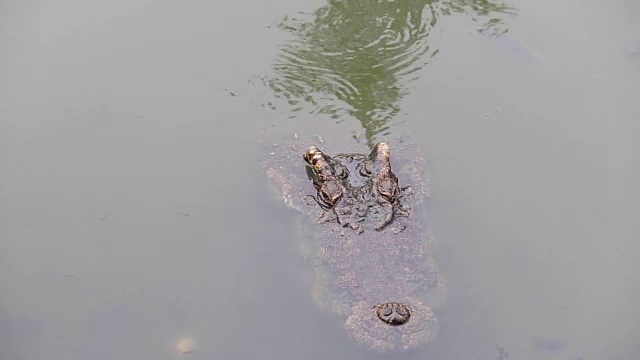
x=133, y=212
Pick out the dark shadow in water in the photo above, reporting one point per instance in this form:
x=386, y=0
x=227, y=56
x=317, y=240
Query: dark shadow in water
x=356, y=57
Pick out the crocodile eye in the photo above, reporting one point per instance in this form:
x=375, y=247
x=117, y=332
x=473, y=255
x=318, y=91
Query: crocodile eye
x=342, y=173
x=327, y=197
x=364, y=170
x=388, y=188
x=331, y=192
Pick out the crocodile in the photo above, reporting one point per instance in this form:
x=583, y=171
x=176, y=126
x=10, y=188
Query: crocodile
x=366, y=239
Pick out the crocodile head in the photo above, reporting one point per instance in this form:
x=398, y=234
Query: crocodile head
x=378, y=280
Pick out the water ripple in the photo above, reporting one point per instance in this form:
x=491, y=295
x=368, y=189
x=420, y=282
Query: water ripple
x=356, y=57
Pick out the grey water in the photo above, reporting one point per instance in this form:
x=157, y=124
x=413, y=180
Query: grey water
x=135, y=218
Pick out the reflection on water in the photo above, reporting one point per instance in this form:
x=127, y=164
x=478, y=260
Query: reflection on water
x=356, y=57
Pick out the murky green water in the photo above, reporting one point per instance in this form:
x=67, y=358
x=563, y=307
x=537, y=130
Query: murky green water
x=135, y=223
x=357, y=59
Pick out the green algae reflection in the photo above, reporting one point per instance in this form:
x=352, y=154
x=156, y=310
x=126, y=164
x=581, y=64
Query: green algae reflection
x=356, y=57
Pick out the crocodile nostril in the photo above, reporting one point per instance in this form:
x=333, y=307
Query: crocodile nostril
x=393, y=313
